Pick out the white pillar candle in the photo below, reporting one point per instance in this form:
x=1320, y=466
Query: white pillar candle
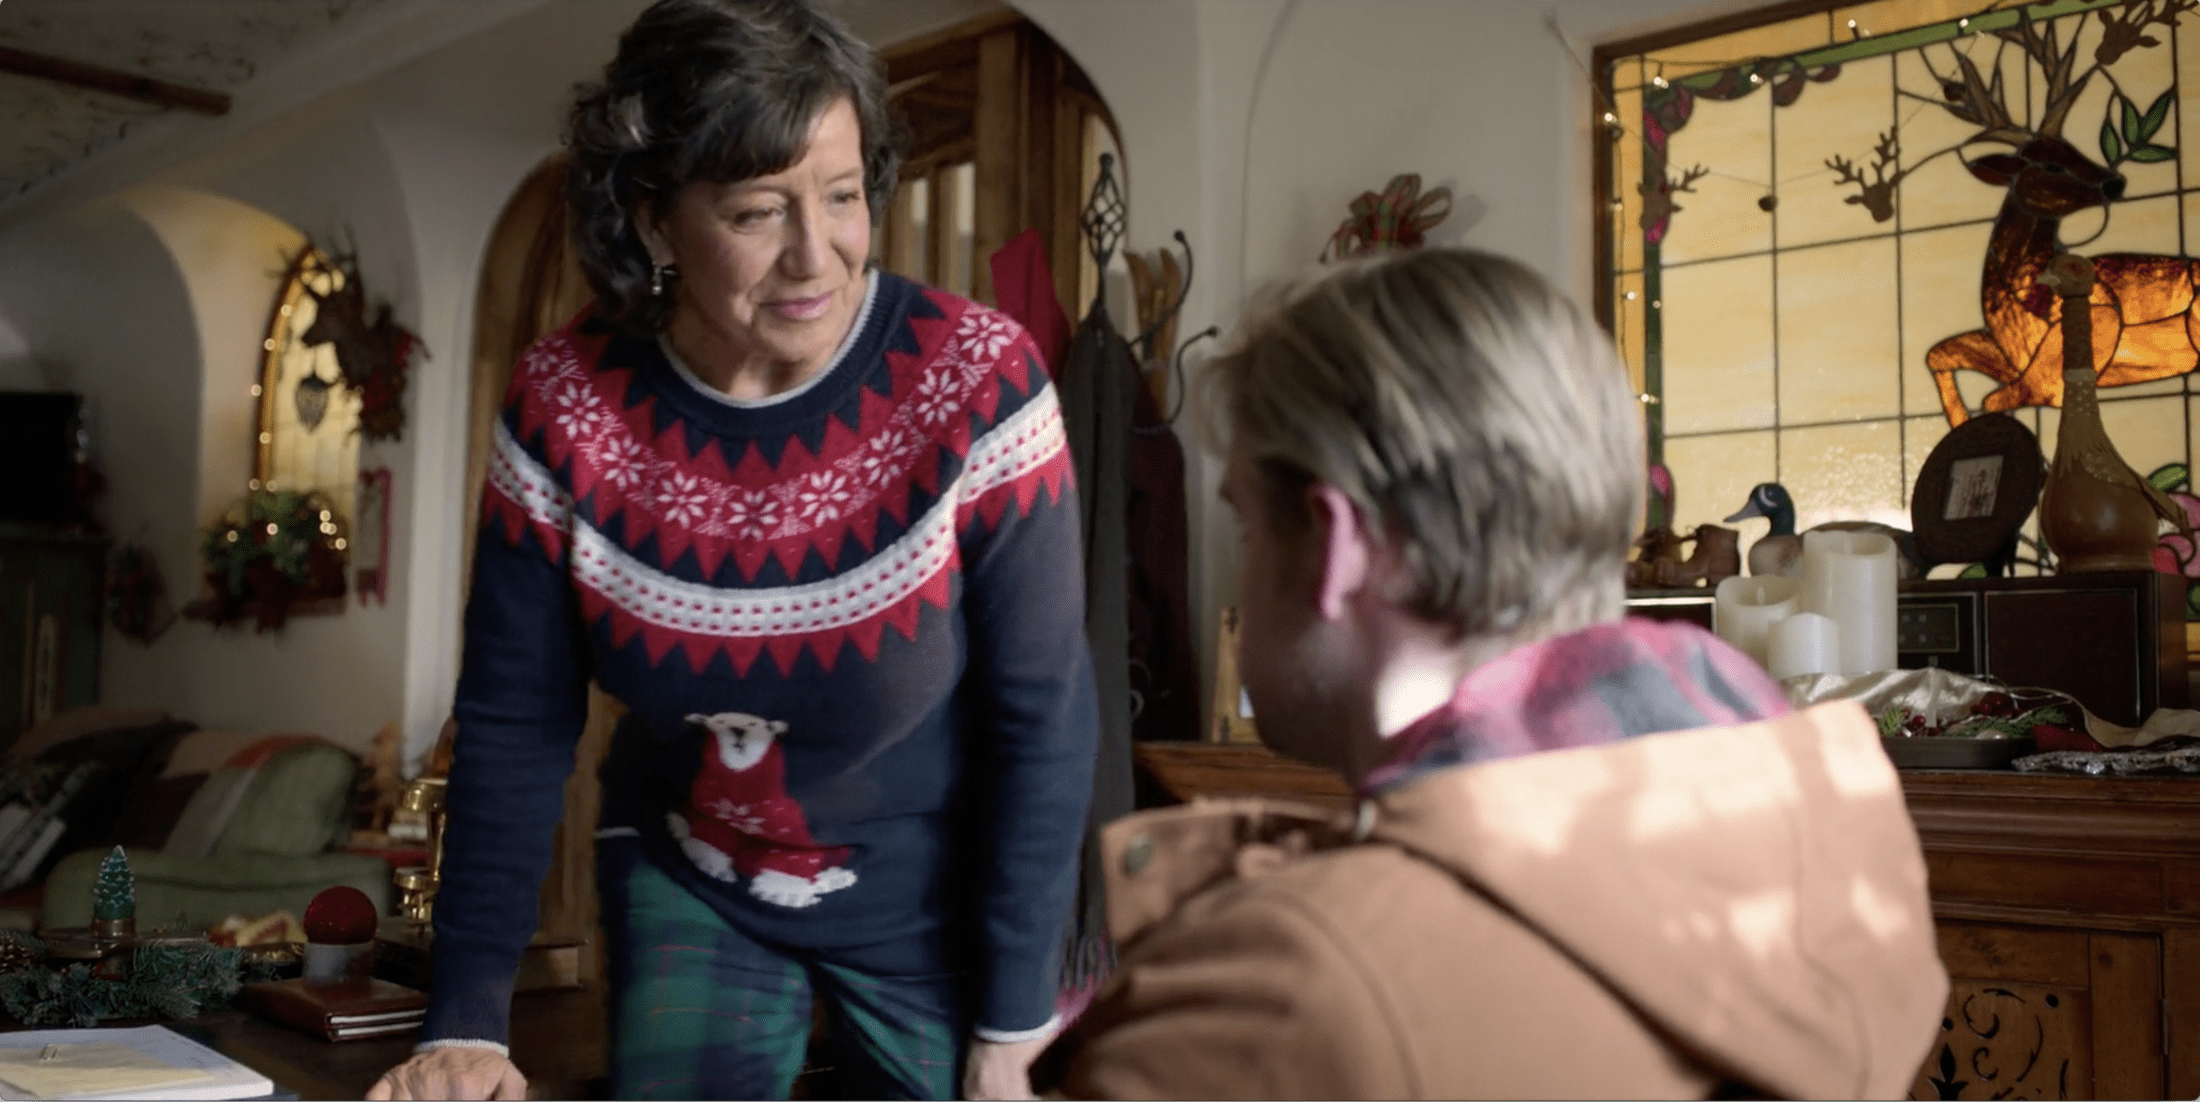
x=1850, y=576
x=1744, y=610
x=1804, y=643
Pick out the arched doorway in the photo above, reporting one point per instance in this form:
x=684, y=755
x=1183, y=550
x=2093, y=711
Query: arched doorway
x=1005, y=133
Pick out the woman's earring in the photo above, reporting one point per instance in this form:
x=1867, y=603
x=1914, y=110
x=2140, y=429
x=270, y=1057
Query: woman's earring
x=657, y=273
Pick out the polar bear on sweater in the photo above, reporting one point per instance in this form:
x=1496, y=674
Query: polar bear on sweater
x=742, y=824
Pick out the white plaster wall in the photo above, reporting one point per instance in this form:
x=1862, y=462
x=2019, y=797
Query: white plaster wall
x=18, y=371
x=1250, y=124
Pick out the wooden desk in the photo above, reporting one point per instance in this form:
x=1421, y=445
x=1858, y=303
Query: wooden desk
x=557, y=1040
x=2068, y=913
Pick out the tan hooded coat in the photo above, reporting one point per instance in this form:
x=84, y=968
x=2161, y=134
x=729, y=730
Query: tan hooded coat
x=1719, y=911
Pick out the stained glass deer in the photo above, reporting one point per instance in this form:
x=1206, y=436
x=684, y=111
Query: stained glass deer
x=2144, y=327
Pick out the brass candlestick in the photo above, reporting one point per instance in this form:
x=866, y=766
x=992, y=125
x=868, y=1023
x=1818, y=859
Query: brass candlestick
x=423, y=796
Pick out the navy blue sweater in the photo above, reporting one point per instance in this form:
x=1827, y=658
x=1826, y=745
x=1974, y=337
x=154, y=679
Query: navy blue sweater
x=847, y=625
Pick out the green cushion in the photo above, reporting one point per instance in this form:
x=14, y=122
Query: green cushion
x=295, y=805
x=197, y=893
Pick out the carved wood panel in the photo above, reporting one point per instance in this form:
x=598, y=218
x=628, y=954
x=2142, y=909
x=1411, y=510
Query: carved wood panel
x=2010, y=1041
x=2038, y=1012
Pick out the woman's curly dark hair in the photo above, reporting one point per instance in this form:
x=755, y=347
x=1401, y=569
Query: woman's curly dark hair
x=707, y=90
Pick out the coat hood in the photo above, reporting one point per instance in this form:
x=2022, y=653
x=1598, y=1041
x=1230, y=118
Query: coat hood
x=1757, y=891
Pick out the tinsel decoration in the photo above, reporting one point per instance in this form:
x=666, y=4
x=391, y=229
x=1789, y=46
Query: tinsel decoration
x=114, y=894
x=167, y=980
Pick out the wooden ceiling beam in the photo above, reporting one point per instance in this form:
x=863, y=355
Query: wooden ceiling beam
x=114, y=82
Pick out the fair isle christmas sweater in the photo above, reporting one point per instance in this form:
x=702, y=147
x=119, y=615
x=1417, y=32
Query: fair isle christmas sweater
x=847, y=624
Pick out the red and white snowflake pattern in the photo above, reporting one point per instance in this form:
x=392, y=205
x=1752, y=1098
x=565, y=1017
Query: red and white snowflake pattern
x=790, y=508
x=752, y=514
x=683, y=498
x=823, y=497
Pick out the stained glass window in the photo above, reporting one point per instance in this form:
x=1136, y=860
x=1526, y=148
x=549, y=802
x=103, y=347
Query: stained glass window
x=1821, y=234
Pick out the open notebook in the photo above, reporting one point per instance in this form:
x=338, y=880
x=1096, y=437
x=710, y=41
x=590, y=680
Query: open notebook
x=145, y=1062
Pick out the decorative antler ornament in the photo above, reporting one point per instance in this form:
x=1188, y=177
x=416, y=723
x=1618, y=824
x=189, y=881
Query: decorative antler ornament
x=374, y=353
x=1877, y=194
x=1396, y=219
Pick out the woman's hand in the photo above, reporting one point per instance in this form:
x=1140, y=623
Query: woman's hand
x=998, y=1070
x=456, y=1072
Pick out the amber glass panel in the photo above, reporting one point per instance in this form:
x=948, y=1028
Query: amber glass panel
x=1718, y=346
x=1845, y=472
x=1919, y=435
x=1940, y=299
x=1721, y=217
x=1628, y=310
x=1627, y=165
x=1712, y=475
x=1844, y=118
x=2148, y=432
x=1840, y=339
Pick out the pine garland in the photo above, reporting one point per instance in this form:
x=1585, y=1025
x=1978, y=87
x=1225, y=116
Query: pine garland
x=166, y=981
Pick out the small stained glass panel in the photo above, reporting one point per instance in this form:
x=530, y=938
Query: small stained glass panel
x=1919, y=436
x=2147, y=432
x=1718, y=346
x=1939, y=276
x=1840, y=340
x=1842, y=119
x=1714, y=474
x=1845, y=472
x=1719, y=216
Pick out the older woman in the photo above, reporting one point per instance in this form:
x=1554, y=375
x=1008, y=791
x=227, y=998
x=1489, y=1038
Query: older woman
x=812, y=524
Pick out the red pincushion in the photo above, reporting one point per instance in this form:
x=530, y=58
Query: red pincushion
x=340, y=916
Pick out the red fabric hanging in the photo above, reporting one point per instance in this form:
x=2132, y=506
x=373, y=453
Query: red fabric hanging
x=1023, y=287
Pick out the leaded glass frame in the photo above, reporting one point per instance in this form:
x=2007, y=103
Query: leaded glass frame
x=1795, y=224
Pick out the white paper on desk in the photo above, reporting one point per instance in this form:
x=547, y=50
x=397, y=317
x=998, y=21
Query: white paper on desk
x=217, y=1076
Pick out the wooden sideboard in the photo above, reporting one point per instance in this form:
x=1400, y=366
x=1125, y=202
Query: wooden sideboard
x=2068, y=911
x=2069, y=915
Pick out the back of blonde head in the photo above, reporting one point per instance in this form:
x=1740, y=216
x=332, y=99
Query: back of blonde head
x=1467, y=407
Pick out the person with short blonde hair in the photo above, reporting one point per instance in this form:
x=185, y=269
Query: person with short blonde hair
x=1510, y=481
x=1590, y=856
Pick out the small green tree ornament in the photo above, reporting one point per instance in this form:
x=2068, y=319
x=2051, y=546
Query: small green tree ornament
x=114, y=898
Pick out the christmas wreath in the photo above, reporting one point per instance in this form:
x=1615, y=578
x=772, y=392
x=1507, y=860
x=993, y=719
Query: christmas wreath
x=269, y=552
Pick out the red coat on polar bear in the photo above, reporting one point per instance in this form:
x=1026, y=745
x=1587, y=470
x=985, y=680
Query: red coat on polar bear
x=742, y=824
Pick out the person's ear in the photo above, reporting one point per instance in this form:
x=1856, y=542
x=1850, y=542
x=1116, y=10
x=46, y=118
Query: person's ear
x=653, y=235
x=1347, y=555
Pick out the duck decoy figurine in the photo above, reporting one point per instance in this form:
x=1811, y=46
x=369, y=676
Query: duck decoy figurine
x=1781, y=551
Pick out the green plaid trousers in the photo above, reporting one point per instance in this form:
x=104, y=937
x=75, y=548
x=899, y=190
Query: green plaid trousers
x=700, y=1010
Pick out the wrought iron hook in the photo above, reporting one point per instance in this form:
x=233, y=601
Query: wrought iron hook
x=1144, y=341
x=1103, y=221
